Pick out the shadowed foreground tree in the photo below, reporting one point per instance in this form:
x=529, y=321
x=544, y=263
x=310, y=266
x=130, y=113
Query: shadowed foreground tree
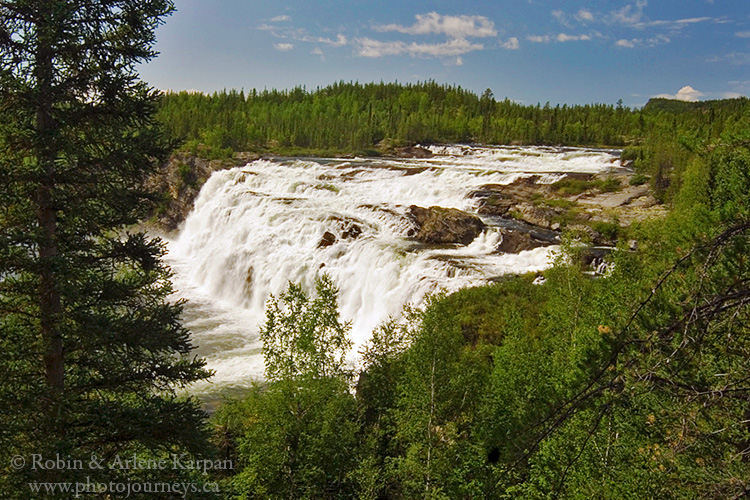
x=90, y=348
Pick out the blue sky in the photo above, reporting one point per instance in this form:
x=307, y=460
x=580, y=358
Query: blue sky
x=562, y=51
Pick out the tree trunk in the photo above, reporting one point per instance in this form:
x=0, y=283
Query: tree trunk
x=50, y=306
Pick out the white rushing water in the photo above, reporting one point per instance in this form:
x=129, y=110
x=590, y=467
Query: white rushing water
x=255, y=228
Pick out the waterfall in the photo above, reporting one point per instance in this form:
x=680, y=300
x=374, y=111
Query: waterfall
x=255, y=228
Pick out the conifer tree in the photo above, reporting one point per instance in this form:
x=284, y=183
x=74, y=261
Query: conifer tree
x=90, y=348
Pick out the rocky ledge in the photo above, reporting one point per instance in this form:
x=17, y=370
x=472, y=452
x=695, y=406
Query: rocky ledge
x=597, y=206
x=530, y=213
x=179, y=181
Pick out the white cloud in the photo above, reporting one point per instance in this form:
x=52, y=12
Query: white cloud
x=340, y=41
x=562, y=18
x=693, y=20
x=641, y=42
x=511, y=44
x=686, y=93
x=657, y=40
x=456, y=27
x=280, y=18
x=538, y=38
x=743, y=34
x=283, y=47
x=672, y=25
x=730, y=95
x=300, y=35
x=631, y=14
x=367, y=47
x=562, y=37
x=585, y=15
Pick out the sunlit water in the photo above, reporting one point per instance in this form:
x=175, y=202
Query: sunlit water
x=255, y=228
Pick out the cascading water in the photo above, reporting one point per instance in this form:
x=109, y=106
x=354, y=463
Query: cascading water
x=255, y=228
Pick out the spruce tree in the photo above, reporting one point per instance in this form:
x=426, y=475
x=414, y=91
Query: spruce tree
x=91, y=349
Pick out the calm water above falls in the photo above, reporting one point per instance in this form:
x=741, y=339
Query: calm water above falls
x=254, y=228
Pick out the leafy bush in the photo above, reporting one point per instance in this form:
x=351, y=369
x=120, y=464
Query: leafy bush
x=569, y=187
x=609, y=185
x=609, y=230
x=638, y=179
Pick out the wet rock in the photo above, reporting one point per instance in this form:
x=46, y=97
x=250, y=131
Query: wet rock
x=538, y=215
x=351, y=232
x=493, y=203
x=413, y=152
x=406, y=170
x=444, y=225
x=499, y=199
x=596, y=260
x=517, y=241
x=350, y=227
x=327, y=240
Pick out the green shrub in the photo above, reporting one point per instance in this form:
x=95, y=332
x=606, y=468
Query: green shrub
x=571, y=187
x=638, y=179
x=559, y=203
x=609, y=185
x=607, y=229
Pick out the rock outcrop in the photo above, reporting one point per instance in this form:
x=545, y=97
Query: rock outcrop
x=413, y=152
x=519, y=241
x=327, y=240
x=439, y=225
x=579, y=201
x=499, y=199
x=349, y=229
x=179, y=181
x=388, y=147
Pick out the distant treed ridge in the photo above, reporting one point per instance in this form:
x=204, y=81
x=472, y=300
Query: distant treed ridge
x=357, y=117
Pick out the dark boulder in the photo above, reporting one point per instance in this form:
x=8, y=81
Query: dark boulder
x=327, y=240
x=518, y=241
x=439, y=225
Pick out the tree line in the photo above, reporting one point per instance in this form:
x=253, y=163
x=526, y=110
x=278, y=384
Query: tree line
x=356, y=117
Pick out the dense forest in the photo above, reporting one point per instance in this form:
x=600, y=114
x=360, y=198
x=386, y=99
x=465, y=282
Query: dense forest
x=633, y=384
x=356, y=117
